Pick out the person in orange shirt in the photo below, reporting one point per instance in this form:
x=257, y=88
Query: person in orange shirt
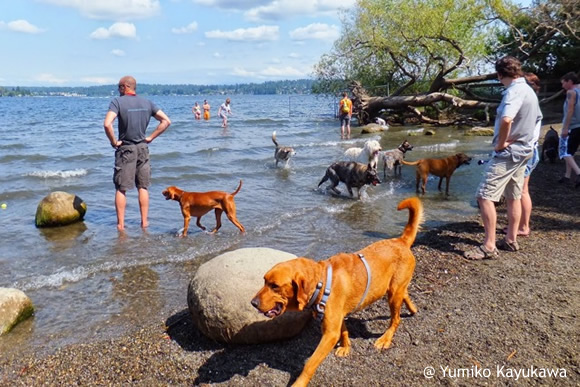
x=206, y=108
x=345, y=114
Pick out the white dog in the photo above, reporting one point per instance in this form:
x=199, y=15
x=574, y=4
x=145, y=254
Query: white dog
x=369, y=154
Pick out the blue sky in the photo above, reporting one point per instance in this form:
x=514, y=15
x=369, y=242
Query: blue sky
x=93, y=42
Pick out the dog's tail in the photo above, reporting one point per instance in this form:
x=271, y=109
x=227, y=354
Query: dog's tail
x=410, y=162
x=237, y=190
x=415, y=219
x=274, y=138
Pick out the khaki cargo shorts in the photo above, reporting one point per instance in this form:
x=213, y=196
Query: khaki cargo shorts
x=504, y=177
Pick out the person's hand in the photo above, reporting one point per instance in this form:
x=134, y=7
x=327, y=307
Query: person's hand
x=500, y=147
x=564, y=133
x=117, y=144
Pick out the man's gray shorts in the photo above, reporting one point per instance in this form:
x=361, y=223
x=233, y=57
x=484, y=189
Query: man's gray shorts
x=504, y=177
x=132, y=167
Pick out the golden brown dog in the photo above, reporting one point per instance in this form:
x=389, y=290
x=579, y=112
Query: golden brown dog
x=353, y=282
x=198, y=204
x=443, y=168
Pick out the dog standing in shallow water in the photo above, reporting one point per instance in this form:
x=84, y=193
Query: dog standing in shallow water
x=282, y=153
x=438, y=167
x=353, y=281
x=369, y=153
x=352, y=174
x=198, y=204
x=392, y=158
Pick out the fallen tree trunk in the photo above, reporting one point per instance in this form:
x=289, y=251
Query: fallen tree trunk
x=445, y=107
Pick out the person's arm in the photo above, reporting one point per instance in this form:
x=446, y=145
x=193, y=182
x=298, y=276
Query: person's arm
x=350, y=109
x=109, y=130
x=164, y=123
x=505, y=126
x=571, y=99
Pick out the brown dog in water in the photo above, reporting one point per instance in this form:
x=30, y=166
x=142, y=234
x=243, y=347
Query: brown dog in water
x=198, y=204
x=351, y=282
x=438, y=167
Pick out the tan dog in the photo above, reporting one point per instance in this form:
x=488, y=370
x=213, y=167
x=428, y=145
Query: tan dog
x=198, y=204
x=438, y=167
x=352, y=283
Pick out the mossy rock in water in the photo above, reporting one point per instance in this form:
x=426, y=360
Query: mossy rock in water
x=430, y=132
x=372, y=128
x=59, y=209
x=479, y=131
x=15, y=306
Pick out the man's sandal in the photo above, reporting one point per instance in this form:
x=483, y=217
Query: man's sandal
x=480, y=253
x=508, y=246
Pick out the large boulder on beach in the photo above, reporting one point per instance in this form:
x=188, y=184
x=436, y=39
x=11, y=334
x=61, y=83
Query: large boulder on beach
x=15, y=306
x=219, y=298
x=59, y=209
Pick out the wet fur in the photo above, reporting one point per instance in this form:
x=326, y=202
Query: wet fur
x=290, y=285
x=443, y=168
x=197, y=204
x=392, y=158
x=369, y=153
x=352, y=174
x=282, y=153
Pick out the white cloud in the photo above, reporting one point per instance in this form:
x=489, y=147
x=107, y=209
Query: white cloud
x=117, y=30
x=112, y=9
x=20, y=26
x=242, y=72
x=261, y=33
x=118, y=52
x=269, y=72
x=217, y=55
x=318, y=31
x=287, y=71
x=191, y=27
x=98, y=80
x=49, y=78
x=294, y=55
x=231, y=4
x=284, y=9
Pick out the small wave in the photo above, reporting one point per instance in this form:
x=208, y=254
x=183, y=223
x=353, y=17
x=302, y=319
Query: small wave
x=420, y=130
x=58, y=174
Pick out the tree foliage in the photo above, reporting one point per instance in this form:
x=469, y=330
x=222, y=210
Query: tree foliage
x=422, y=47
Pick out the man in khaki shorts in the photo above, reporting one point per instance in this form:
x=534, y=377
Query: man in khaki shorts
x=513, y=141
x=131, y=150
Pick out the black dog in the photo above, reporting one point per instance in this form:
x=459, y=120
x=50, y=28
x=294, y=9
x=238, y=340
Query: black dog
x=352, y=174
x=550, y=146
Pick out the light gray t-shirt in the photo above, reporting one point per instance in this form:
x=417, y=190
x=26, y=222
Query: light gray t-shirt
x=520, y=103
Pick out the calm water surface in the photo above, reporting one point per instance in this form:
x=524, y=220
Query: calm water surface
x=88, y=281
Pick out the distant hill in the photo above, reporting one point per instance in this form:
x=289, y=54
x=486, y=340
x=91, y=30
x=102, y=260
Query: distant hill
x=300, y=86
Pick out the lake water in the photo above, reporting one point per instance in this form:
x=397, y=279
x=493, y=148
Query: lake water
x=89, y=281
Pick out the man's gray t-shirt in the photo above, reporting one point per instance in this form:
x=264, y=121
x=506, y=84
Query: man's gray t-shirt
x=520, y=103
x=133, y=115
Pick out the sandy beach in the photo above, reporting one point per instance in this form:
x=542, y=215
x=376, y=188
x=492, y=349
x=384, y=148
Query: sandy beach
x=510, y=321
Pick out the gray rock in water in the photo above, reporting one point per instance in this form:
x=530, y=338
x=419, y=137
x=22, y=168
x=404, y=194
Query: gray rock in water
x=15, y=306
x=59, y=209
x=219, y=298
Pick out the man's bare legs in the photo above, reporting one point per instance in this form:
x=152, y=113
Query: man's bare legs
x=489, y=219
x=144, y=206
x=120, y=204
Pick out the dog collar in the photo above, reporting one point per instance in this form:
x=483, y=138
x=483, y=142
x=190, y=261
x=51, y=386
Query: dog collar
x=321, y=306
x=364, y=261
x=401, y=148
